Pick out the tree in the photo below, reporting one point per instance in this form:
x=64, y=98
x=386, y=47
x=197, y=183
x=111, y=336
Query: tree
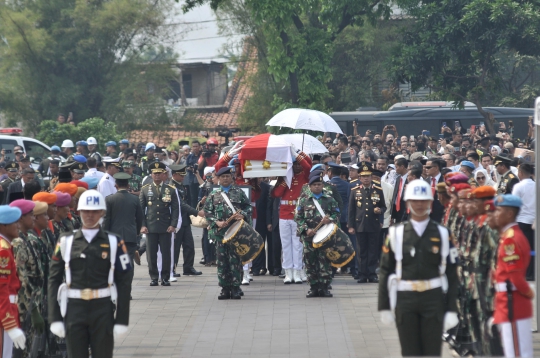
x=80, y=56
x=455, y=46
x=299, y=41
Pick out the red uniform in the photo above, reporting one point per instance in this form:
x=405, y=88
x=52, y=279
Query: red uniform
x=513, y=258
x=289, y=196
x=9, y=286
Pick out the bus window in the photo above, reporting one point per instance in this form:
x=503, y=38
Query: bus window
x=35, y=150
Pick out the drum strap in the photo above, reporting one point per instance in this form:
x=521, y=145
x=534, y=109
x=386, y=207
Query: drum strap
x=228, y=202
x=318, y=206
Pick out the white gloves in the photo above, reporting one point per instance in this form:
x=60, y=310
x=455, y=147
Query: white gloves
x=294, y=153
x=387, y=317
x=450, y=320
x=18, y=338
x=119, y=330
x=237, y=147
x=58, y=329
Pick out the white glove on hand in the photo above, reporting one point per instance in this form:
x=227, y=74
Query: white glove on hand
x=294, y=152
x=119, y=330
x=237, y=148
x=387, y=317
x=18, y=338
x=450, y=320
x=58, y=329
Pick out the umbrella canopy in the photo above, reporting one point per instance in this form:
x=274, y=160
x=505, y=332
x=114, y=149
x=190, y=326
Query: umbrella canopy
x=307, y=143
x=309, y=119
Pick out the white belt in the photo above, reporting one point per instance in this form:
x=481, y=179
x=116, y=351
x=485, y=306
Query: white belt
x=288, y=202
x=253, y=203
x=88, y=293
x=419, y=285
x=501, y=287
x=13, y=298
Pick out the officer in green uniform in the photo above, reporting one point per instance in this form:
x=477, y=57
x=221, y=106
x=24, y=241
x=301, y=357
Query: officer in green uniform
x=12, y=169
x=418, y=265
x=30, y=274
x=184, y=237
x=308, y=217
x=217, y=212
x=328, y=188
x=96, y=268
x=135, y=181
x=508, y=179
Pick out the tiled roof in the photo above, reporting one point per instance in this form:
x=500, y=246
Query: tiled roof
x=209, y=118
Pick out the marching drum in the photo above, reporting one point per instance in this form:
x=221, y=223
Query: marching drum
x=335, y=244
x=247, y=242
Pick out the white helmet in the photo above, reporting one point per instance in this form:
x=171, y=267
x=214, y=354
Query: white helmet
x=418, y=190
x=91, y=141
x=92, y=200
x=67, y=144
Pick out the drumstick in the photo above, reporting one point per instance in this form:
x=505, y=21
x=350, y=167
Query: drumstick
x=320, y=224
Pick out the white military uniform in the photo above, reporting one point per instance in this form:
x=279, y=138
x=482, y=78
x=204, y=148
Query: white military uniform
x=106, y=185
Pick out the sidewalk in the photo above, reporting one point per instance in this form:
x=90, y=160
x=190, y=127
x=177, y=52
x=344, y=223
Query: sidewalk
x=271, y=320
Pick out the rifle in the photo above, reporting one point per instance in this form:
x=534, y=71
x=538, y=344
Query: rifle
x=38, y=346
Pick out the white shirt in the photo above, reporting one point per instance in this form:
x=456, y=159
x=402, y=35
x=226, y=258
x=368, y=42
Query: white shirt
x=526, y=190
x=419, y=226
x=89, y=234
x=388, y=192
x=106, y=185
x=93, y=172
x=390, y=177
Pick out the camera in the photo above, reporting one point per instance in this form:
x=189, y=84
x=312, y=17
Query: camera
x=356, y=121
x=207, y=153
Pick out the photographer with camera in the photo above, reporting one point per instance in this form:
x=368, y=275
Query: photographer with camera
x=209, y=156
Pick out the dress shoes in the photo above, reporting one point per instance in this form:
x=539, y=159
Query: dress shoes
x=165, y=283
x=374, y=279
x=192, y=272
x=276, y=272
x=176, y=274
x=362, y=280
x=203, y=261
x=263, y=271
x=256, y=273
x=240, y=291
x=153, y=283
x=324, y=292
x=225, y=294
x=137, y=258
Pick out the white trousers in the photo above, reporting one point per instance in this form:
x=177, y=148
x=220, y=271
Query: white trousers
x=290, y=245
x=517, y=338
x=159, y=264
x=249, y=264
x=6, y=348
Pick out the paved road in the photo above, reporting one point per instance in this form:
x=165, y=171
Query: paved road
x=271, y=320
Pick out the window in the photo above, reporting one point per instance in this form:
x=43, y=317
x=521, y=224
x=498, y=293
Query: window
x=35, y=150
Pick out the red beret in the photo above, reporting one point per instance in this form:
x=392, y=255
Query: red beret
x=68, y=188
x=455, y=178
x=26, y=206
x=80, y=184
x=489, y=205
x=456, y=188
x=465, y=194
x=49, y=198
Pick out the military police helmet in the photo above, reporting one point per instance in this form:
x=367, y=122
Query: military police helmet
x=418, y=190
x=92, y=200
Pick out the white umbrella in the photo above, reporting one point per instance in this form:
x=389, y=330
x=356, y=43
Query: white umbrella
x=309, y=119
x=309, y=143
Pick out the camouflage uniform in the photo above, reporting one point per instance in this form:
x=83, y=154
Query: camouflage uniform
x=29, y=270
x=319, y=271
x=329, y=190
x=135, y=183
x=75, y=220
x=61, y=227
x=229, y=266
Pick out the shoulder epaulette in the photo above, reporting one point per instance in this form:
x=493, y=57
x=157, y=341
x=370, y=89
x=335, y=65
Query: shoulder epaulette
x=144, y=186
x=356, y=187
x=4, y=244
x=511, y=176
x=172, y=186
x=376, y=182
x=377, y=187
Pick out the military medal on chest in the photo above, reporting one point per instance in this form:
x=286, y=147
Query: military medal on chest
x=167, y=196
x=375, y=197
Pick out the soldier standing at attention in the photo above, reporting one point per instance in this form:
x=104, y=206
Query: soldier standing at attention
x=10, y=332
x=308, y=217
x=418, y=265
x=217, y=211
x=366, y=217
x=184, y=237
x=30, y=274
x=513, y=300
x=508, y=179
x=160, y=208
x=96, y=268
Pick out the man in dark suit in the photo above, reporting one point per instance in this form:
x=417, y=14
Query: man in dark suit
x=259, y=264
x=27, y=176
x=399, y=208
x=272, y=224
x=124, y=216
x=184, y=237
x=12, y=169
x=433, y=167
x=159, y=203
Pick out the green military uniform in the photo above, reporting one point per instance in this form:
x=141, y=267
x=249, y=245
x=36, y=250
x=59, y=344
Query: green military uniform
x=61, y=227
x=135, y=183
x=318, y=268
x=329, y=189
x=420, y=311
x=89, y=321
x=75, y=220
x=229, y=266
x=508, y=179
x=30, y=272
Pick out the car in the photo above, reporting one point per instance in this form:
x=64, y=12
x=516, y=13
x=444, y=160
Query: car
x=9, y=138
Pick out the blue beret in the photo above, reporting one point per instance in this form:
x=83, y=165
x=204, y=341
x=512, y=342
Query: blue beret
x=508, y=200
x=82, y=142
x=124, y=141
x=225, y=170
x=91, y=181
x=9, y=215
x=79, y=158
x=466, y=163
x=110, y=143
x=317, y=166
x=333, y=165
x=55, y=148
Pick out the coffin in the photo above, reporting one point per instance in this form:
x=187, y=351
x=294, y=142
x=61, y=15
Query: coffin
x=263, y=168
